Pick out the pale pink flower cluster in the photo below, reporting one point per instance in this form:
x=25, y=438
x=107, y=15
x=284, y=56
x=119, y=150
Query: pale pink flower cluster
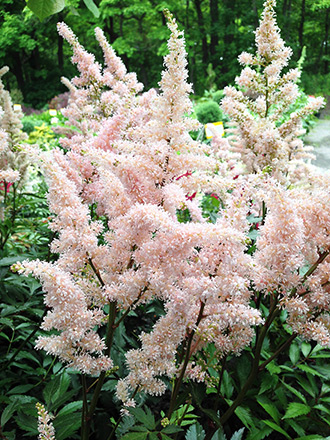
x=13, y=162
x=115, y=194
x=45, y=425
x=291, y=263
x=134, y=167
x=264, y=142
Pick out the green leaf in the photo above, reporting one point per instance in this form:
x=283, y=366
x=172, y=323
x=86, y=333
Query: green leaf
x=219, y=435
x=310, y=437
x=7, y=413
x=70, y=408
x=226, y=386
x=66, y=425
x=306, y=386
x=238, y=434
x=92, y=7
x=135, y=436
x=276, y=428
x=269, y=407
x=260, y=433
x=321, y=407
x=21, y=389
x=273, y=368
x=45, y=8
x=297, y=427
x=268, y=382
x=195, y=432
x=245, y=416
x=55, y=391
x=295, y=392
x=296, y=409
x=146, y=418
x=310, y=370
x=294, y=353
x=171, y=429
x=306, y=348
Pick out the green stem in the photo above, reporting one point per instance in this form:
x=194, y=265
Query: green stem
x=24, y=342
x=13, y=216
x=223, y=365
x=84, y=407
x=179, y=379
x=131, y=306
x=273, y=313
x=108, y=340
x=286, y=344
x=112, y=433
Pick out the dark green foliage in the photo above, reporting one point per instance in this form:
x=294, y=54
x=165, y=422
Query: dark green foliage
x=216, y=33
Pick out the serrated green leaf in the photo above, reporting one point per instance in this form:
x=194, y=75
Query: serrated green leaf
x=45, y=8
x=20, y=389
x=70, y=408
x=135, y=436
x=219, y=435
x=295, y=392
x=273, y=368
x=297, y=427
x=9, y=261
x=238, y=434
x=7, y=413
x=259, y=433
x=66, y=425
x=171, y=429
x=7, y=322
x=92, y=8
x=146, y=418
x=61, y=399
x=268, y=381
x=195, y=432
x=226, y=385
x=310, y=370
x=321, y=407
x=276, y=428
x=165, y=437
x=244, y=415
x=269, y=407
x=306, y=386
x=55, y=391
x=296, y=409
x=311, y=437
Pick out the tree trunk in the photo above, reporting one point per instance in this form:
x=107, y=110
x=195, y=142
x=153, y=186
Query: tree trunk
x=255, y=10
x=18, y=71
x=60, y=59
x=200, y=21
x=326, y=37
x=301, y=26
x=214, y=12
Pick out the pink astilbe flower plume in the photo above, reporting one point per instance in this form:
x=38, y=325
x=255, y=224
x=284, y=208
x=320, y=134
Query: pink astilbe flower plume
x=45, y=425
x=263, y=139
x=115, y=194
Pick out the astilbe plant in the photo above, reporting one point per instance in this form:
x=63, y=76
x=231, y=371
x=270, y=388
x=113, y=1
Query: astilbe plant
x=13, y=161
x=264, y=94
x=116, y=193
